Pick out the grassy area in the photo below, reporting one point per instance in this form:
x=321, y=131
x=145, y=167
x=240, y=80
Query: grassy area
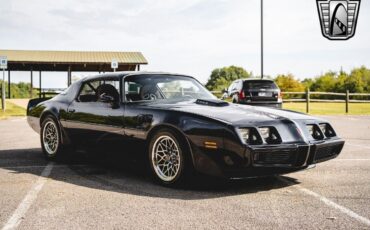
x=330, y=108
x=11, y=110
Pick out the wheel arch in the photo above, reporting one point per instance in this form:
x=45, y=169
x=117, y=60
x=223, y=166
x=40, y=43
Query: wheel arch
x=179, y=132
x=54, y=114
x=47, y=113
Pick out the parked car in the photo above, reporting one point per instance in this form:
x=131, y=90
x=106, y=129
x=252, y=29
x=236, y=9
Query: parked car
x=183, y=127
x=260, y=92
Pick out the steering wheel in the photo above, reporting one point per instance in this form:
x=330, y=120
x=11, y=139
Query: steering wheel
x=150, y=96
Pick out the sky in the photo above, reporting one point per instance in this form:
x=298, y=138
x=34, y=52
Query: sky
x=185, y=36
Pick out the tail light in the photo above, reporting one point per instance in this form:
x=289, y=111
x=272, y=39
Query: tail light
x=241, y=95
x=280, y=96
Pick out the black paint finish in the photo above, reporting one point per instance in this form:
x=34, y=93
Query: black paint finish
x=198, y=121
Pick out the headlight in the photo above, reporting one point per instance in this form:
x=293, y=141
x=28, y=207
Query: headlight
x=314, y=131
x=270, y=135
x=310, y=129
x=249, y=136
x=265, y=132
x=327, y=130
x=244, y=134
x=323, y=128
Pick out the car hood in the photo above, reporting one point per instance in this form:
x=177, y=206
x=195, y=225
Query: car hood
x=231, y=113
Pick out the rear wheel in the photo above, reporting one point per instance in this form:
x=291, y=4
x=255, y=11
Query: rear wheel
x=50, y=138
x=235, y=99
x=168, y=158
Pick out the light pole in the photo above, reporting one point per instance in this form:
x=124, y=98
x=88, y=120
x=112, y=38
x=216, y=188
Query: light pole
x=3, y=105
x=261, y=39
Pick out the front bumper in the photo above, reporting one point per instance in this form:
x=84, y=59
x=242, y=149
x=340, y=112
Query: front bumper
x=265, y=160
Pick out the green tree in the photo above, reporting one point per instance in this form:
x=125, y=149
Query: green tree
x=359, y=80
x=325, y=83
x=287, y=83
x=19, y=90
x=308, y=82
x=221, y=78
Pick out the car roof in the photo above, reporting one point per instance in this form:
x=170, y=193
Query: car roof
x=257, y=79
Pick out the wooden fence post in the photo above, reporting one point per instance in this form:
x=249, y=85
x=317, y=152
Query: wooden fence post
x=347, y=101
x=308, y=101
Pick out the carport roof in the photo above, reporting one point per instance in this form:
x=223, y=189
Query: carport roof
x=72, y=57
x=46, y=60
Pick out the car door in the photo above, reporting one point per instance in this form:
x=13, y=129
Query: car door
x=91, y=119
x=137, y=119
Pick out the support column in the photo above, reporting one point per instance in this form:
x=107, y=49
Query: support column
x=40, y=85
x=9, y=84
x=261, y=39
x=69, y=76
x=31, y=85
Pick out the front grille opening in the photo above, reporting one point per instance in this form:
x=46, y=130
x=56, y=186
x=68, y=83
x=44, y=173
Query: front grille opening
x=327, y=130
x=270, y=135
x=281, y=157
x=315, y=132
x=327, y=151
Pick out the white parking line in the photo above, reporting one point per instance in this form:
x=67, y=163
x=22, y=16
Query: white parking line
x=18, y=119
x=360, y=146
x=351, y=159
x=38, y=166
x=328, y=202
x=28, y=200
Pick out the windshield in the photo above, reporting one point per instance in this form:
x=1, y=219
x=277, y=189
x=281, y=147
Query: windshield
x=161, y=87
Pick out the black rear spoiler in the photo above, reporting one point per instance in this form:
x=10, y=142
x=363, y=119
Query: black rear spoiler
x=33, y=102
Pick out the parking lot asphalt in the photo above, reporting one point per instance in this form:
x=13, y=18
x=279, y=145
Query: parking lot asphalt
x=89, y=191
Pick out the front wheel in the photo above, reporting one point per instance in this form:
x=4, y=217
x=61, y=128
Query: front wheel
x=50, y=138
x=167, y=158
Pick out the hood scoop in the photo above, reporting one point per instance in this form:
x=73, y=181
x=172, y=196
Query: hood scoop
x=211, y=102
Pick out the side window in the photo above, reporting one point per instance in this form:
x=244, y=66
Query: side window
x=88, y=92
x=92, y=91
x=132, y=91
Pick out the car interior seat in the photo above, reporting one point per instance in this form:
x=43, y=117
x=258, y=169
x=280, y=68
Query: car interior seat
x=109, y=90
x=150, y=92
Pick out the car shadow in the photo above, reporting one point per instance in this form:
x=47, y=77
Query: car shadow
x=124, y=173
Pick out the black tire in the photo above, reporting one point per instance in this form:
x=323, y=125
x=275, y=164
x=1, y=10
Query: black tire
x=185, y=168
x=50, y=152
x=235, y=99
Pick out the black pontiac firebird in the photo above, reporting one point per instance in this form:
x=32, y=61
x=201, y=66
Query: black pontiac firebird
x=183, y=126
